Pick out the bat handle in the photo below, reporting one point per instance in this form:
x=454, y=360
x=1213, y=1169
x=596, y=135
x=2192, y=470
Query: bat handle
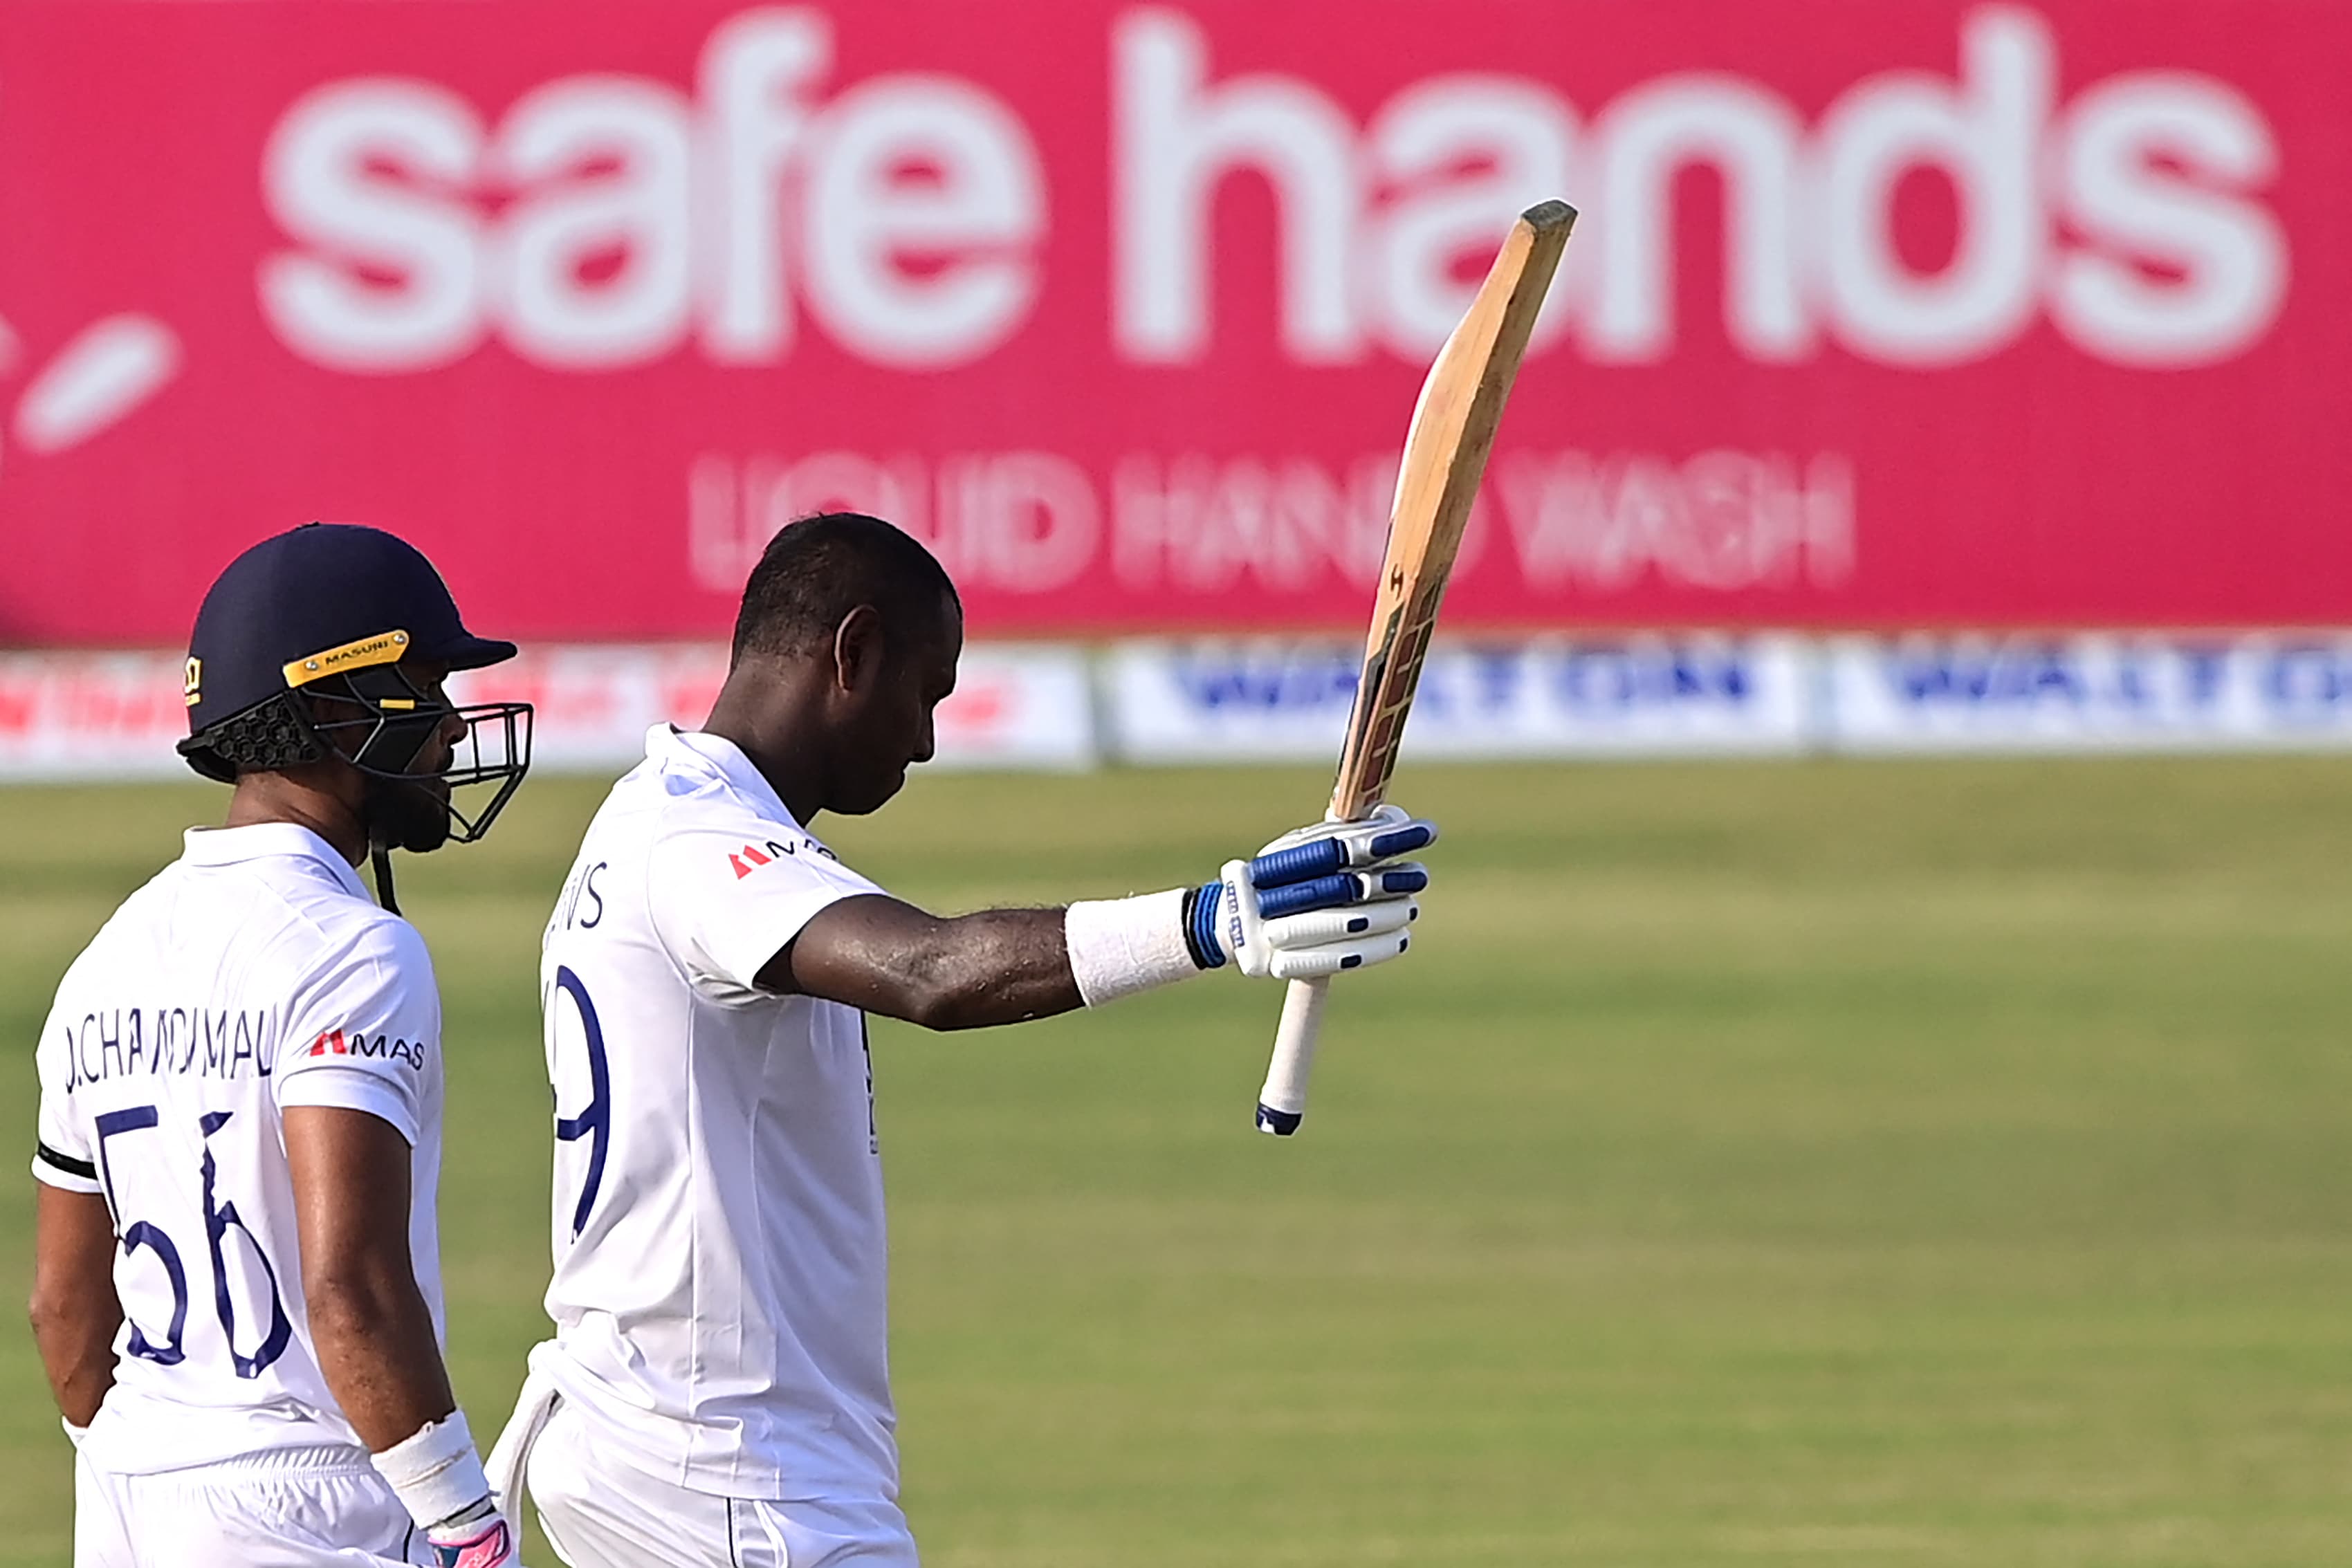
x=1282, y=1103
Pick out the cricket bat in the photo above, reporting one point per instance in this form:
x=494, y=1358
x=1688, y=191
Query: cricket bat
x=1445, y=449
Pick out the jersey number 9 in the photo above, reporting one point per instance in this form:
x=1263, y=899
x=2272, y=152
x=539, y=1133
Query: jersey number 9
x=594, y=1121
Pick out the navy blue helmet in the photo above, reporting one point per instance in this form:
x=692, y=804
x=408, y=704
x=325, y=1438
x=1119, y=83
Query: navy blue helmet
x=309, y=645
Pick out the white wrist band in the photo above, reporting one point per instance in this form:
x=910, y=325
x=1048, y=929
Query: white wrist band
x=1122, y=945
x=436, y=1472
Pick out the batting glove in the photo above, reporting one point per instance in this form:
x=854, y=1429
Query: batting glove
x=1316, y=901
x=478, y=1538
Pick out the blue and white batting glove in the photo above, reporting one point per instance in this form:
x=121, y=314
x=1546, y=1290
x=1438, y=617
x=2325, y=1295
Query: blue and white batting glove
x=1316, y=901
x=480, y=1537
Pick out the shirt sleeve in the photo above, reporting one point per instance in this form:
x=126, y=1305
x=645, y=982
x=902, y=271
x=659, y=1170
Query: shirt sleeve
x=364, y=1027
x=724, y=898
x=61, y=1151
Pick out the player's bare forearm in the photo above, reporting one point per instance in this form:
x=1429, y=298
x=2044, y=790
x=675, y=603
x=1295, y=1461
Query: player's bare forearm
x=968, y=971
x=73, y=1310
x=369, y=1323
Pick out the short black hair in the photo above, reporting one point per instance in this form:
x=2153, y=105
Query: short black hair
x=820, y=567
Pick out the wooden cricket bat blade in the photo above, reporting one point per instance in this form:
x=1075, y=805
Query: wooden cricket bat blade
x=1445, y=447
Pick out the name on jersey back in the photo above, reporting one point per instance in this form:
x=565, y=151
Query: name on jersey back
x=198, y=1043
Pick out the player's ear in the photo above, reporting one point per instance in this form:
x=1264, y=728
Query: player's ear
x=857, y=649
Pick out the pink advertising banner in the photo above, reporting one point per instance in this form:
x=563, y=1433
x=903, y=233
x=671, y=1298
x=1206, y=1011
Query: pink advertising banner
x=1920, y=313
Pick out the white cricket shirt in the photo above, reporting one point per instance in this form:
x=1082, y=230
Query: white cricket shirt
x=720, y=1287
x=252, y=973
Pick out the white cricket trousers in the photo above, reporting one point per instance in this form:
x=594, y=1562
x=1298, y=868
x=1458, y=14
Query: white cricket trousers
x=291, y=1507
x=600, y=1514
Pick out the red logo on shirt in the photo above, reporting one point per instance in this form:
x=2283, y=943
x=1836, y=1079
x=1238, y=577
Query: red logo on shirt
x=360, y=1043
x=751, y=857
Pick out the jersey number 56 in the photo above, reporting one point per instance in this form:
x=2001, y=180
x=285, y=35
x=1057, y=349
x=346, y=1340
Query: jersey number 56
x=220, y=1219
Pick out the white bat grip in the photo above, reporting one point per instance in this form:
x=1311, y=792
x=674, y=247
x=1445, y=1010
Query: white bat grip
x=1282, y=1103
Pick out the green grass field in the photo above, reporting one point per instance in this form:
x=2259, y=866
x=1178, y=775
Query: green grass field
x=1787, y=1164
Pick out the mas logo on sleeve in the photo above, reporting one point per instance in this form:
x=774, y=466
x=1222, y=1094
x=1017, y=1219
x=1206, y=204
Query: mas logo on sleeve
x=747, y=858
x=367, y=1048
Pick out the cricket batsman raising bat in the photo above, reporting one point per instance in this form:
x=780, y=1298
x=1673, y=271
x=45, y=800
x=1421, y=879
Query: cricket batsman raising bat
x=1445, y=452
x=706, y=979
x=717, y=1391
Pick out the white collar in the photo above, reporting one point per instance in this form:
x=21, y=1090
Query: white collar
x=258, y=841
x=710, y=753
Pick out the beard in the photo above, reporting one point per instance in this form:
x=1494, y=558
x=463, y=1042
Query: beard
x=408, y=816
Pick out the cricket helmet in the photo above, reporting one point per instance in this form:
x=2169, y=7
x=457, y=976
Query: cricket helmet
x=334, y=610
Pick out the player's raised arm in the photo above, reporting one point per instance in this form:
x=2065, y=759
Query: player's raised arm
x=847, y=641
x=1314, y=903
